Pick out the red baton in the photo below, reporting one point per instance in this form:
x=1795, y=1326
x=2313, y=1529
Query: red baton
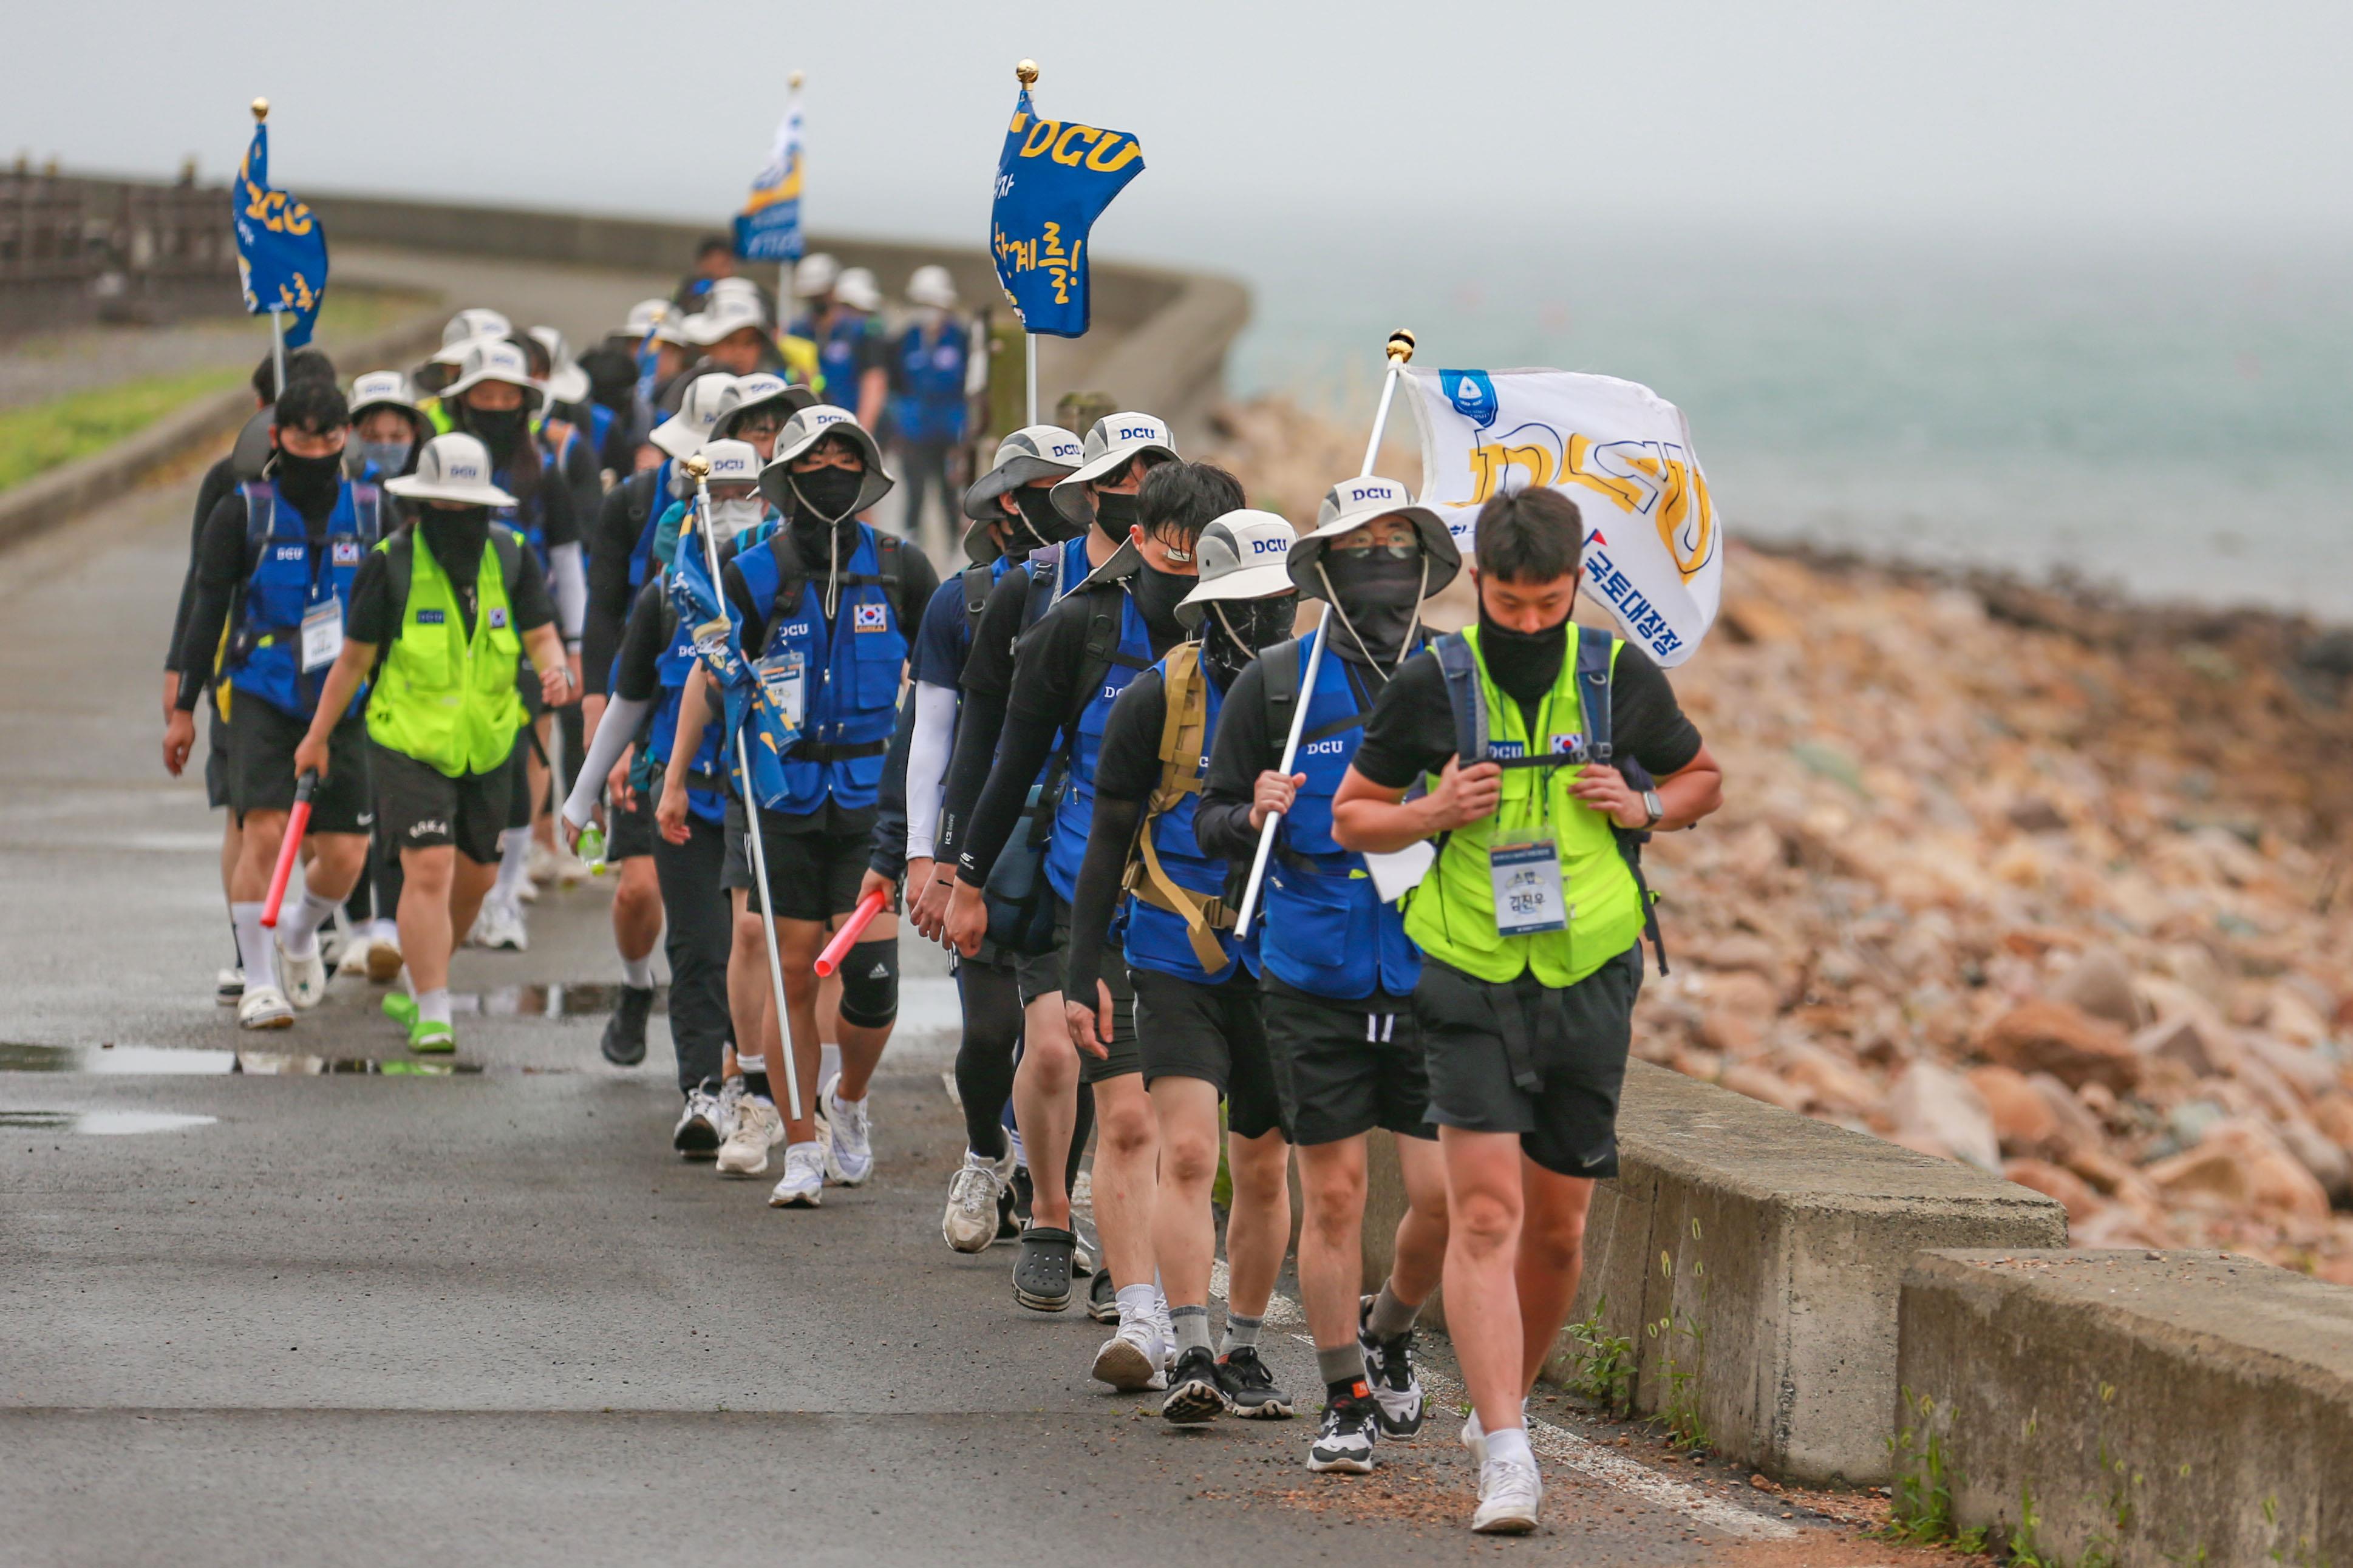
x=852, y=929
x=298, y=823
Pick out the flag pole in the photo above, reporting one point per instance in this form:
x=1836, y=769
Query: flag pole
x=786, y=301
x=1399, y=350
x=699, y=466
x=1026, y=73
x=277, y=312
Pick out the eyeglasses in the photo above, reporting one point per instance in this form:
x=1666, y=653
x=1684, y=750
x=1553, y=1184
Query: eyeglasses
x=1397, y=550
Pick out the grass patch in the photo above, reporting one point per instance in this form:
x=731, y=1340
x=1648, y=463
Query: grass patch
x=43, y=435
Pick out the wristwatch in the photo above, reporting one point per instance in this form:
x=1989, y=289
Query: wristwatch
x=1651, y=804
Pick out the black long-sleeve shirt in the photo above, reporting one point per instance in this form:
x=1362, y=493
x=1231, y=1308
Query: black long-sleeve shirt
x=612, y=537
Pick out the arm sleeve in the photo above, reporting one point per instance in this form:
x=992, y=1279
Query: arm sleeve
x=636, y=674
x=1646, y=724
x=1412, y=730
x=571, y=588
x=1109, y=833
x=219, y=563
x=1242, y=749
x=608, y=587
x=622, y=717
x=920, y=583
x=1045, y=665
x=927, y=765
x=558, y=521
x=218, y=482
x=888, y=853
x=533, y=608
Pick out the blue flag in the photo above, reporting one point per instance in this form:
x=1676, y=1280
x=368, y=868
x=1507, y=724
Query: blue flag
x=281, y=248
x=1053, y=180
x=769, y=227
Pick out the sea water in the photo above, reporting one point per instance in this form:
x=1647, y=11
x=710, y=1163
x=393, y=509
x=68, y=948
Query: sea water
x=2168, y=419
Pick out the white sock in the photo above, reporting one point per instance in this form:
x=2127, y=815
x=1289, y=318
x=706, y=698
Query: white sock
x=639, y=972
x=1511, y=1442
x=1013, y=1143
x=434, y=1005
x=254, y=949
x=298, y=929
x=1136, y=1301
x=829, y=1062
x=514, y=844
x=751, y=1064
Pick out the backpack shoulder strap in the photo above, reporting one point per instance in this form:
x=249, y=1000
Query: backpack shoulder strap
x=260, y=521
x=510, y=546
x=399, y=562
x=1278, y=669
x=640, y=498
x=1596, y=652
x=890, y=568
x=976, y=585
x=1183, y=730
x=367, y=512
x=1459, y=666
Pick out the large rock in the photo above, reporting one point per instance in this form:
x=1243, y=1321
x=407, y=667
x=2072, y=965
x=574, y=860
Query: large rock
x=2065, y=1042
x=2241, y=1163
x=2101, y=983
x=2078, y=1128
x=2206, y=1049
x=2022, y=1119
x=1937, y=1106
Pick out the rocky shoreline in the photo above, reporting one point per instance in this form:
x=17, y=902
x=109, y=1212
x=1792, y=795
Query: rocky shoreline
x=2025, y=877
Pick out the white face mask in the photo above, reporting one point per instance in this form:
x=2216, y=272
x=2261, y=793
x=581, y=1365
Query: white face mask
x=730, y=517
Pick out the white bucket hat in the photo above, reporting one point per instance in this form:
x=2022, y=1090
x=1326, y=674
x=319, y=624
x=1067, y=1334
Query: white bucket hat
x=724, y=315
x=566, y=382
x=1032, y=452
x=384, y=389
x=931, y=285
x=1243, y=556
x=1114, y=441
x=495, y=359
x=732, y=462
x=805, y=430
x=817, y=273
x=857, y=288
x=746, y=393
x=456, y=468
x=1352, y=503
x=644, y=317
x=684, y=432
x=474, y=322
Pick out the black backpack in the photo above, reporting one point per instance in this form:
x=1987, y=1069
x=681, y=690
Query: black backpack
x=1594, y=651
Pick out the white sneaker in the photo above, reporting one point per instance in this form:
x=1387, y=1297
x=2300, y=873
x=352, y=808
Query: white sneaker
x=500, y=926
x=1166, y=1329
x=1134, y=1359
x=527, y=891
x=264, y=1007
x=804, y=1182
x=970, y=1223
x=352, y=961
x=1509, y=1494
x=1475, y=1436
x=849, y=1150
x=727, y=1108
x=305, y=978
x=757, y=1130
x=569, y=869
x=697, y=1133
x=384, y=958
x=228, y=984
x=539, y=862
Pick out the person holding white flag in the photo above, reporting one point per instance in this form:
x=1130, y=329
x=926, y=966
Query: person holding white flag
x=1529, y=920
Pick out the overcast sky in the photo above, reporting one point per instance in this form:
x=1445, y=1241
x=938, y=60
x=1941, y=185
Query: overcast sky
x=1348, y=125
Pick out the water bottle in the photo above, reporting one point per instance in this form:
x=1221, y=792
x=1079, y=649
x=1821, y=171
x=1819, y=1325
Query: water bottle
x=591, y=848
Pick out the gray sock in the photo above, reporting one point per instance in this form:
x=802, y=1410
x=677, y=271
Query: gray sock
x=1389, y=1317
x=1341, y=1364
x=1192, y=1326
x=1240, y=1331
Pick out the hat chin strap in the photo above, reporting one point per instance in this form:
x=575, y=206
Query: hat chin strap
x=1332, y=597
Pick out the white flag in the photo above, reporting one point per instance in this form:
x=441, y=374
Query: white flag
x=1653, y=546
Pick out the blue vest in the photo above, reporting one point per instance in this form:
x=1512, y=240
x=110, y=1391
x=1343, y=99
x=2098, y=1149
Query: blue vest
x=265, y=657
x=1155, y=937
x=714, y=759
x=1083, y=737
x=849, y=683
x=1325, y=930
x=930, y=405
x=837, y=359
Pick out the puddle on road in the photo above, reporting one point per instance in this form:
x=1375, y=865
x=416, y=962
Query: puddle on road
x=554, y=1001
x=152, y=1059
x=104, y=1123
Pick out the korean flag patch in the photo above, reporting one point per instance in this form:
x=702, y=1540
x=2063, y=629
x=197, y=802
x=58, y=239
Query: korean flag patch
x=347, y=553
x=871, y=617
x=498, y=617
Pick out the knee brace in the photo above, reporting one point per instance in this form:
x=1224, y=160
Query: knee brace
x=869, y=983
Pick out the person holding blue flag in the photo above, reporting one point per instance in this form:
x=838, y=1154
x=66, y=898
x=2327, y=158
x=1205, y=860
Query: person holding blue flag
x=1053, y=180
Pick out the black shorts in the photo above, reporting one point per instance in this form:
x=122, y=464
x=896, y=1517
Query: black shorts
x=812, y=876
x=1215, y=1033
x=418, y=806
x=1041, y=975
x=261, y=767
x=630, y=834
x=1346, y=1067
x=1483, y=1042
x=215, y=758
x=518, y=777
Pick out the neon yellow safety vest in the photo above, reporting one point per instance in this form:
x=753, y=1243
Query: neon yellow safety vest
x=1451, y=914
x=443, y=698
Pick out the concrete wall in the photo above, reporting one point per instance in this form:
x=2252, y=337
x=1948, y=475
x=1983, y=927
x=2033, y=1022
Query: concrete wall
x=2135, y=1407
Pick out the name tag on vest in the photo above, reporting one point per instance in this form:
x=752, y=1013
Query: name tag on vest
x=1527, y=879
x=322, y=635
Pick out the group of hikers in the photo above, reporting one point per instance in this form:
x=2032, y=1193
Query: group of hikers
x=410, y=597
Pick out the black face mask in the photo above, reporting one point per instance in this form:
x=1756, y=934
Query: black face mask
x=827, y=495
x=1236, y=634
x=1040, y=518
x=1156, y=594
x=502, y=431
x=1377, y=595
x=455, y=535
x=309, y=483
x=1113, y=514
x=1522, y=664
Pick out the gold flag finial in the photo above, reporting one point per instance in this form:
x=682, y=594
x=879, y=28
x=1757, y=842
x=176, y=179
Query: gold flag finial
x=793, y=80
x=1402, y=345
x=698, y=465
x=260, y=110
x=1026, y=73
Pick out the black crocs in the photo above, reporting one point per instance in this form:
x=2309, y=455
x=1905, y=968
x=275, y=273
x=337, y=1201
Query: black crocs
x=1041, y=1275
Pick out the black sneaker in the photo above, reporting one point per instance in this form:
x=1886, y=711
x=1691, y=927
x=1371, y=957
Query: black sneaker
x=1020, y=1187
x=1388, y=1367
x=1009, y=1221
x=625, y=1031
x=1102, y=1298
x=1250, y=1387
x=1196, y=1392
x=1345, y=1440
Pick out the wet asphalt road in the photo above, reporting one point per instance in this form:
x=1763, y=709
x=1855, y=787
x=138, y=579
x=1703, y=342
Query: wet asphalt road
x=489, y=1316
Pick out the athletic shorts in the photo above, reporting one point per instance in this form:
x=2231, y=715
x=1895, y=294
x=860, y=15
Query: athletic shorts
x=420, y=806
x=1214, y=1032
x=1035, y=974
x=215, y=758
x=1346, y=1067
x=630, y=834
x=1523, y=1057
x=1042, y=976
x=261, y=767
x=812, y=876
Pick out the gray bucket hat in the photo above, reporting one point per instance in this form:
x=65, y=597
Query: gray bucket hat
x=1113, y=441
x=1352, y=503
x=453, y=468
x=759, y=389
x=1032, y=452
x=1241, y=556
x=805, y=430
